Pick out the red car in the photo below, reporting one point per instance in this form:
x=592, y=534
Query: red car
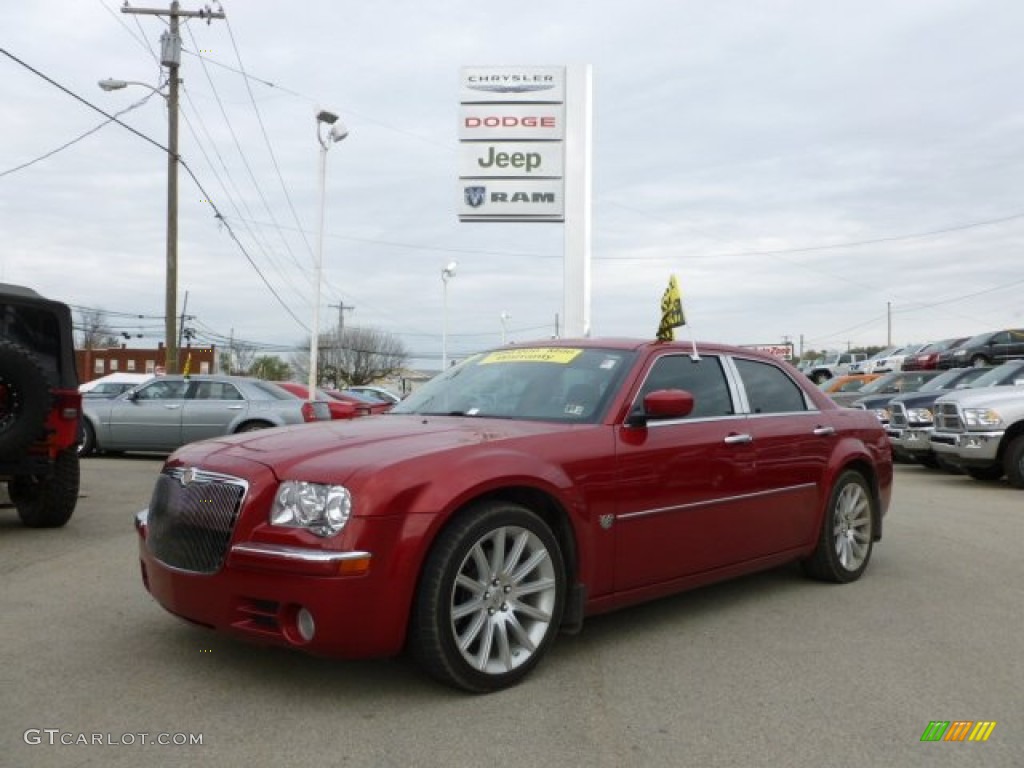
x=365, y=406
x=512, y=496
x=338, y=408
x=927, y=358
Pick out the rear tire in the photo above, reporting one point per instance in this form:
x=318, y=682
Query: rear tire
x=979, y=361
x=490, y=599
x=847, y=532
x=1013, y=462
x=24, y=400
x=48, y=501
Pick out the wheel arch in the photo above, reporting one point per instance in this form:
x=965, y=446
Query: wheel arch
x=1012, y=433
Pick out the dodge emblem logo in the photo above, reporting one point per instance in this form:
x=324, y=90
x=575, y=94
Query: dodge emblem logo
x=189, y=476
x=475, y=196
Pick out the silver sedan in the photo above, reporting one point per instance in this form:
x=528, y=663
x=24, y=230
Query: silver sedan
x=170, y=411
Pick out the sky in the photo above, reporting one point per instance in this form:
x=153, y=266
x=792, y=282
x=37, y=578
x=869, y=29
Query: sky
x=831, y=173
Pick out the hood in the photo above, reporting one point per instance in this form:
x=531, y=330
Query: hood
x=985, y=396
x=335, y=450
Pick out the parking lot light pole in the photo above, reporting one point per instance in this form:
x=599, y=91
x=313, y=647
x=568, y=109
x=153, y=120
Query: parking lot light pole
x=446, y=273
x=335, y=132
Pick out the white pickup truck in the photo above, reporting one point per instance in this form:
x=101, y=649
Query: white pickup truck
x=982, y=430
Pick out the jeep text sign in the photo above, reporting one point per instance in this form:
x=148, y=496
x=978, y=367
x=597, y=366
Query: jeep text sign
x=535, y=160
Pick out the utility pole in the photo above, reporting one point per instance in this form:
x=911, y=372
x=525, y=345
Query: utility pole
x=170, y=57
x=342, y=309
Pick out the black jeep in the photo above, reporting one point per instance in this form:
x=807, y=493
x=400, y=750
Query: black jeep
x=40, y=408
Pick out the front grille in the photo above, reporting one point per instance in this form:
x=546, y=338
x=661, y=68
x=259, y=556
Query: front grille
x=947, y=418
x=191, y=516
x=897, y=416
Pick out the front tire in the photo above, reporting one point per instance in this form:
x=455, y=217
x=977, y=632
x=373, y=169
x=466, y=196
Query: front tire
x=979, y=361
x=490, y=598
x=87, y=446
x=847, y=533
x=48, y=501
x=1013, y=461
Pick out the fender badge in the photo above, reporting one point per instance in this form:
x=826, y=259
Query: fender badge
x=606, y=521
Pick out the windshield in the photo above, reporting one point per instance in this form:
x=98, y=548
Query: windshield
x=942, y=381
x=532, y=383
x=1003, y=374
x=878, y=385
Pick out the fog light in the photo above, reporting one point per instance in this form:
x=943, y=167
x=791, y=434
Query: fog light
x=305, y=624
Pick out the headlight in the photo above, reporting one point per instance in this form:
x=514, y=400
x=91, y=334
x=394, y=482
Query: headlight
x=981, y=417
x=882, y=414
x=322, y=509
x=920, y=415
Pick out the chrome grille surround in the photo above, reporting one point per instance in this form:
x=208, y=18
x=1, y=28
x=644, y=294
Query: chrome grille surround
x=191, y=516
x=947, y=418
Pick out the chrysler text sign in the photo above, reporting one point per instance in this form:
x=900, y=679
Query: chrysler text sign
x=511, y=144
x=538, y=85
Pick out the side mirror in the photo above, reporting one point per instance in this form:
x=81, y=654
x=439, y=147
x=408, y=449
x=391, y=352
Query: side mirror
x=662, y=404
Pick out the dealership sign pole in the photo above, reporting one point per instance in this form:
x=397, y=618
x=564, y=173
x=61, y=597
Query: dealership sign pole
x=525, y=155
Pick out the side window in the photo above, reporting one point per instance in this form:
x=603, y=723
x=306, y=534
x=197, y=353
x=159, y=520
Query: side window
x=769, y=389
x=163, y=390
x=216, y=390
x=704, y=379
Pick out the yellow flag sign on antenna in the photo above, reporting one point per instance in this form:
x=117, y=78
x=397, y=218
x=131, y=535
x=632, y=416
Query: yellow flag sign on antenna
x=671, y=311
x=188, y=365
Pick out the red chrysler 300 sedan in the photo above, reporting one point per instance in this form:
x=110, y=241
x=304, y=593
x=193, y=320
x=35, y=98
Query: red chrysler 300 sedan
x=512, y=496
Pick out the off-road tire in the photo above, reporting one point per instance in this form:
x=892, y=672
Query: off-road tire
x=847, y=532
x=25, y=399
x=490, y=598
x=48, y=501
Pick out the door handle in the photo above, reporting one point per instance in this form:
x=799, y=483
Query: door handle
x=235, y=407
x=738, y=439
x=172, y=406
x=824, y=431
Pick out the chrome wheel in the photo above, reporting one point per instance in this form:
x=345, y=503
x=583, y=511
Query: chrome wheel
x=503, y=600
x=847, y=533
x=490, y=597
x=852, y=526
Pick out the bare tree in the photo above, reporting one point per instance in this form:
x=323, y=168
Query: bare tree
x=354, y=356
x=95, y=333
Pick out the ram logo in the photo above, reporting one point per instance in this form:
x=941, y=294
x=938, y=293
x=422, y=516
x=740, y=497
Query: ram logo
x=475, y=196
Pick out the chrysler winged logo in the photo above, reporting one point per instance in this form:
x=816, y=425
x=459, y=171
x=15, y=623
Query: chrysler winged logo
x=522, y=88
x=475, y=196
x=189, y=476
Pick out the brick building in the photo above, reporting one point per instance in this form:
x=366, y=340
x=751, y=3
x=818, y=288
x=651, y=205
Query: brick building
x=93, y=363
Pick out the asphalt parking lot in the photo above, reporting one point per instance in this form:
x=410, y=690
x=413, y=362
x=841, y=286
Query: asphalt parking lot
x=769, y=670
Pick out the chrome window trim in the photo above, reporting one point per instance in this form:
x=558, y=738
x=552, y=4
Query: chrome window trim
x=713, y=502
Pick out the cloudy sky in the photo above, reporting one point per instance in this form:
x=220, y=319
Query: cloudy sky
x=831, y=171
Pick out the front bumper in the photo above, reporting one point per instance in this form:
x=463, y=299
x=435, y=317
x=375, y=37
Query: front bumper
x=267, y=593
x=914, y=440
x=967, y=447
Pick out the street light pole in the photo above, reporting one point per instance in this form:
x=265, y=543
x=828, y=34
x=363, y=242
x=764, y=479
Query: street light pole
x=337, y=131
x=446, y=273
x=505, y=317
